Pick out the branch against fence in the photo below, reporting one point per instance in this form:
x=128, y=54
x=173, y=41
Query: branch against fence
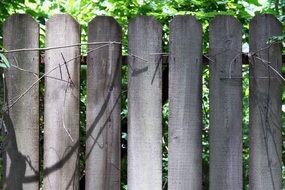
x=57, y=47
x=45, y=74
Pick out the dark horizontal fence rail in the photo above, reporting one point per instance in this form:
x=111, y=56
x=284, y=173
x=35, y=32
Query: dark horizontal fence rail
x=205, y=59
x=146, y=89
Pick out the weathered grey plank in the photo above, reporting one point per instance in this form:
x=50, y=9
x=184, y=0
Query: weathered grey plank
x=61, y=105
x=265, y=105
x=22, y=120
x=103, y=106
x=144, y=103
x=185, y=105
x=225, y=37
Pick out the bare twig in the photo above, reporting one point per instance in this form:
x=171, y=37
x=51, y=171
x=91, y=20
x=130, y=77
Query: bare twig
x=21, y=69
x=265, y=48
x=48, y=72
x=230, y=67
x=67, y=70
x=60, y=70
x=165, y=183
x=267, y=63
x=110, y=58
x=209, y=58
x=136, y=56
x=57, y=47
x=63, y=116
x=59, y=79
x=16, y=67
x=162, y=54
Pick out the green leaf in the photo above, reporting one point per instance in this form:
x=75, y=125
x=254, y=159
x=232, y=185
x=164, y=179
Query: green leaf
x=253, y=2
x=4, y=61
x=2, y=65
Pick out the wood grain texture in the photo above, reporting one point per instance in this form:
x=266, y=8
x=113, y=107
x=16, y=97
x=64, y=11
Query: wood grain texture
x=144, y=105
x=185, y=104
x=22, y=120
x=61, y=134
x=265, y=105
x=103, y=106
x=225, y=37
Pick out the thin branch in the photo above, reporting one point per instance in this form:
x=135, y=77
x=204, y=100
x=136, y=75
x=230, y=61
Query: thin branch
x=21, y=69
x=230, y=67
x=63, y=115
x=60, y=71
x=165, y=183
x=67, y=70
x=57, y=47
x=209, y=58
x=163, y=54
x=135, y=56
x=262, y=49
x=32, y=85
x=16, y=67
x=267, y=63
x=59, y=79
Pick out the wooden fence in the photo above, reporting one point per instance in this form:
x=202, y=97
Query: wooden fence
x=62, y=95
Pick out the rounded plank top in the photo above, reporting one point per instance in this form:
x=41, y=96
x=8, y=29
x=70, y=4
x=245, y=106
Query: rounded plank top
x=149, y=20
x=25, y=28
x=231, y=26
x=264, y=26
x=263, y=17
x=184, y=31
x=105, y=22
x=185, y=19
x=60, y=17
x=140, y=28
x=15, y=17
x=55, y=24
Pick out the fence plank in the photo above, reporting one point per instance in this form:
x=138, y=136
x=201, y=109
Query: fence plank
x=185, y=82
x=103, y=106
x=22, y=120
x=144, y=103
x=225, y=103
x=265, y=105
x=61, y=105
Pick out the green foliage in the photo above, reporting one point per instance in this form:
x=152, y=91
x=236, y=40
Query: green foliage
x=205, y=128
x=277, y=39
x=245, y=124
x=254, y=2
x=4, y=63
x=165, y=115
